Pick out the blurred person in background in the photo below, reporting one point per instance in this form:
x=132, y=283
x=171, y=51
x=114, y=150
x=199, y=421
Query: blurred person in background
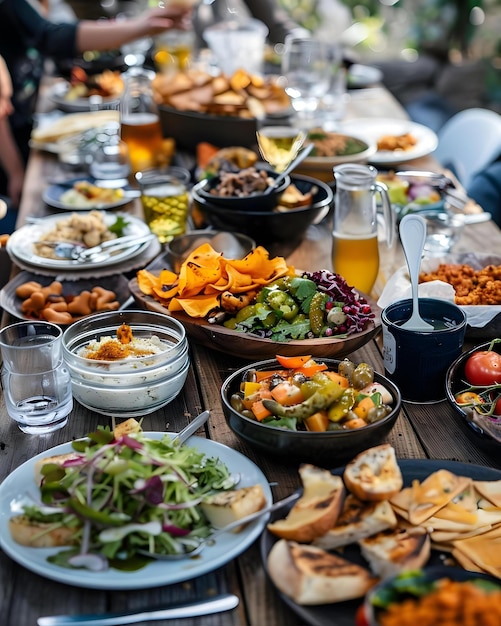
x=27, y=37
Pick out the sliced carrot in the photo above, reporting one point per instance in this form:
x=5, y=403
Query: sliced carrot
x=259, y=410
x=310, y=370
x=342, y=381
x=318, y=422
x=292, y=362
x=264, y=374
x=362, y=409
x=287, y=394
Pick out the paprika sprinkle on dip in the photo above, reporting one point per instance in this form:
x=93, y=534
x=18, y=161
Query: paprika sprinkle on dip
x=124, y=346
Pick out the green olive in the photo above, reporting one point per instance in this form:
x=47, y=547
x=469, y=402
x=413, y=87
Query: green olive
x=362, y=376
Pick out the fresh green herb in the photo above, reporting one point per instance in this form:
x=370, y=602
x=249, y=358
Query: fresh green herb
x=119, y=226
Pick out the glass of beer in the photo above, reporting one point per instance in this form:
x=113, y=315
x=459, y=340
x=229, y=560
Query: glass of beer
x=355, y=250
x=164, y=196
x=140, y=126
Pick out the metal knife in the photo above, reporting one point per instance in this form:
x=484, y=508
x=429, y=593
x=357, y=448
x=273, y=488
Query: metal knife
x=218, y=604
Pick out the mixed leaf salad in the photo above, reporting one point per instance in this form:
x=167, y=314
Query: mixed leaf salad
x=316, y=304
x=122, y=494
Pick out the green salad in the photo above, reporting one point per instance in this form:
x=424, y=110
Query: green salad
x=121, y=495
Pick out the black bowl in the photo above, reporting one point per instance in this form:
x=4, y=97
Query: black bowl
x=189, y=128
x=328, y=449
x=270, y=227
x=257, y=201
x=426, y=575
x=455, y=381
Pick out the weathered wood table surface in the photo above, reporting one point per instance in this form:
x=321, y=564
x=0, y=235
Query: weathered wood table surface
x=422, y=431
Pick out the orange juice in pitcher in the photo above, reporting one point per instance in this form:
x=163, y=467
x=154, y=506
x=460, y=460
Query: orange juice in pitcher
x=357, y=260
x=355, y=250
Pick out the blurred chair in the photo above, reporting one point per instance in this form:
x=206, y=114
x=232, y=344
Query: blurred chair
x=468, y=142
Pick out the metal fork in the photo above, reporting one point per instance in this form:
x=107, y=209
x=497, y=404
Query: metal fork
x=230, y=527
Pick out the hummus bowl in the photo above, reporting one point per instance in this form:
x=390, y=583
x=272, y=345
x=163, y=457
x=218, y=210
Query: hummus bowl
x=126, y=379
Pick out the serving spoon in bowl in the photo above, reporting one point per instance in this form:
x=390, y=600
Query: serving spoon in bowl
x=292, y=165
x=412, y=235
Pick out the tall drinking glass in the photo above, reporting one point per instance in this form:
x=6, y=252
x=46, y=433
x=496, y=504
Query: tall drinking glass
x=305, y=66
x=140, y=121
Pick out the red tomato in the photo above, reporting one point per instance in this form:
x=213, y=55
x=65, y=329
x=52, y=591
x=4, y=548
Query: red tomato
x=483, y=368
x=497, y=408
x=360, y=617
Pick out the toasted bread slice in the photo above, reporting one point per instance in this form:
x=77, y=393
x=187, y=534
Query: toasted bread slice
x=128, y=427
x=310, y=575
x=358, y=520
x=316, y=510
x=229, y=506
x=374, y=474
x=34, y=534
x=393, y=550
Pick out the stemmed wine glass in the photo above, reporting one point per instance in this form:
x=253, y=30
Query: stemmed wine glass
x=306, y=69
x=278, y=143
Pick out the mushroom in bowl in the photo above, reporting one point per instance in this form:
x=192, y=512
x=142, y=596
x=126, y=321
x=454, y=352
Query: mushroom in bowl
x=310, y=410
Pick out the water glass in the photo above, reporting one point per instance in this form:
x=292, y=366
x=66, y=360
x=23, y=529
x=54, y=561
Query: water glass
x=306, y=68
x=443, y=231
x=110, y=159
x=164, y=196
x=36, y=382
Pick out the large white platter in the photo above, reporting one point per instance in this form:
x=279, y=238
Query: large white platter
x=20, y=243
x=16, y=487
x=372, y=129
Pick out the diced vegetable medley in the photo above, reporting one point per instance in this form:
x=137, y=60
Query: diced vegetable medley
x=302, y=393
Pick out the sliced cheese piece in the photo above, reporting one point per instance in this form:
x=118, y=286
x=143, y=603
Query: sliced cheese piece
x=423, y=499
x=316, y=510
x=358, y=520
x=484, y=550
x=230, y=506
x=490, y=489
x=310, y=575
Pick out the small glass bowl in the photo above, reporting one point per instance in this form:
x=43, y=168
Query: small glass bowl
x=127, y=387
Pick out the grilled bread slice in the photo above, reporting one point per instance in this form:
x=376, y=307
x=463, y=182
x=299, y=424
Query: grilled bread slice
x=316, y=510
x=34, y=534
x=310, y=575
x=229, y=506
x=358, y=520
x=393, y=550
x=374, y=474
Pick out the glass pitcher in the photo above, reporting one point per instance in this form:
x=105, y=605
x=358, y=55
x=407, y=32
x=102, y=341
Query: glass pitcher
x=140, y=121
x=355, y=250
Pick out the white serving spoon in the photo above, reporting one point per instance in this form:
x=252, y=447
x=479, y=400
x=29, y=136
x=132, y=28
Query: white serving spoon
x=412, y=235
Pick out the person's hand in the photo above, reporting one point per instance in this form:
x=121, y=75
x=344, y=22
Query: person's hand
x=6, y=107
x=157, y=20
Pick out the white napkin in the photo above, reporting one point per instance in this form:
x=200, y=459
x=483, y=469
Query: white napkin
x=398, y=286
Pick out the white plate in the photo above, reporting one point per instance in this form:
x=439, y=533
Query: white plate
x=227, y=547
x=372, y=129
x=20, y=243
x=52, y=197
x=57, y=93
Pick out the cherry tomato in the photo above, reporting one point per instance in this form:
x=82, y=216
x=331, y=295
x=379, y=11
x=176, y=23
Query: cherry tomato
x=497, y=408
x=483, y=368
x=360, y=617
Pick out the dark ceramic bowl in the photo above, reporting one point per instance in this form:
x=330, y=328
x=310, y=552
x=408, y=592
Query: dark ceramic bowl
x=487, y=434
x=270, y=227
x=327, y=449
x=189, y=128
x=258, y=201
x=423, y=576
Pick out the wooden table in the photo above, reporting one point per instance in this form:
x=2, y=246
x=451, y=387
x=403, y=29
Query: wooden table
x=422, y=431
